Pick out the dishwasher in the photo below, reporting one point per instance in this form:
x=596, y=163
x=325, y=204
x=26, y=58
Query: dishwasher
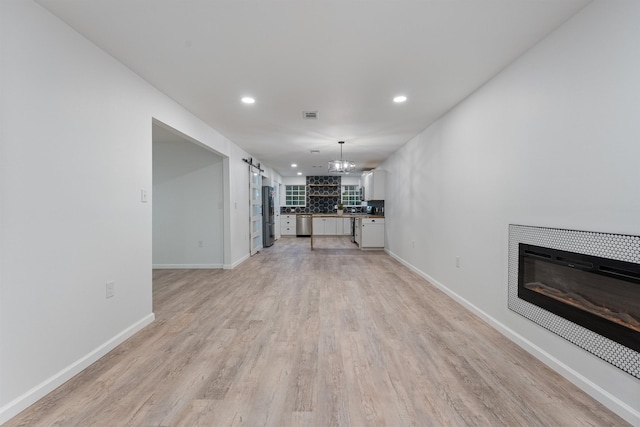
x=303, y=225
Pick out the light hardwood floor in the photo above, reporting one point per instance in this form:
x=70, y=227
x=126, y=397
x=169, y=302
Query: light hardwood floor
x=330, y=337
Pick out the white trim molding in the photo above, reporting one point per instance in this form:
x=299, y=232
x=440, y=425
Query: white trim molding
x=625, y=411
x=237, y=263
x=22, y=402
x=187, y=266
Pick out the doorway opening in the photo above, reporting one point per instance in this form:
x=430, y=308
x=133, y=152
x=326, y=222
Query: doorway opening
x=187, y=202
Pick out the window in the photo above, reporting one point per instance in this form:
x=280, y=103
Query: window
x=295, y=195
x=351, y=195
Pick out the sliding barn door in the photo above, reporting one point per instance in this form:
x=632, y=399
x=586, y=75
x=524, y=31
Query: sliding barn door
x=255, y=196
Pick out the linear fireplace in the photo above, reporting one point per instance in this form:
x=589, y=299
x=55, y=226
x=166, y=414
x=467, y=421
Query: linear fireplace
x=583, y=286
x=600, y=294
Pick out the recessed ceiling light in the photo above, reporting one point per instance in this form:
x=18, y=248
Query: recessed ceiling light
x=299, y=173
x=293, y=165
x=248, y=100
x=400, y=98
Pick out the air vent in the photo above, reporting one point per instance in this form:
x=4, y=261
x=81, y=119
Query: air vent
x=314, y=151
x=310, y=115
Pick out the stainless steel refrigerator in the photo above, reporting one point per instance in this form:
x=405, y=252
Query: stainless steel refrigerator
x=268, y=216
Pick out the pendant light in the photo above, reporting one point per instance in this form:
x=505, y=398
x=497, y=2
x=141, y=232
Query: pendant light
x=341, y=166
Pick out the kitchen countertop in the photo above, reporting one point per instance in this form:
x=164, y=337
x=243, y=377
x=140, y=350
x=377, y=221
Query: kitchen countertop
x=335, y=215
x=346, y=215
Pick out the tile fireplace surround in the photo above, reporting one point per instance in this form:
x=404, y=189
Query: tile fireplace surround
x=605, y=245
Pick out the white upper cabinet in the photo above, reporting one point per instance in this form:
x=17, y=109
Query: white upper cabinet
x=374, y=184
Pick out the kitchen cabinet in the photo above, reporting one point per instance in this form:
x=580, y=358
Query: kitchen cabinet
x=366, y=184
x=318, y=226
x=325, y=226
x=371, y=233
x=374, y=185
x=343, y=226
x=288, y=225
x=331, y=227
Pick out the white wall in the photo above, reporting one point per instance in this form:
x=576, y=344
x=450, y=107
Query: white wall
x=553, y=141
x=294, y=180
x=187, y=206
x=76, y=135
x=270, y=176
x=302, y=180
x=239, y=204
x=350, y=180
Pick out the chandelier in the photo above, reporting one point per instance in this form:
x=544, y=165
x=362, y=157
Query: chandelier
x=341, y=166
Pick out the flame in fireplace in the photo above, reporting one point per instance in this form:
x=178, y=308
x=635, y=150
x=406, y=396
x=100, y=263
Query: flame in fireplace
x=576, y=300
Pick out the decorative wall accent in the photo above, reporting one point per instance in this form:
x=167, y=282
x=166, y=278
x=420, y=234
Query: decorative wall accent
x=323, y=193
x=613, y=246
x=329, y=179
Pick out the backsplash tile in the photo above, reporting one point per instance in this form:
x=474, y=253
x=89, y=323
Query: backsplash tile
x=324, y=180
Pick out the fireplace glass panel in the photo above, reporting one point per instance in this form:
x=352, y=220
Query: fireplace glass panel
x=600, y=294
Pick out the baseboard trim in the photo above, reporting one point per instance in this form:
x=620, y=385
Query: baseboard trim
x=237, y=263
x=625, y=411
x=186, y=266
x=27, y=399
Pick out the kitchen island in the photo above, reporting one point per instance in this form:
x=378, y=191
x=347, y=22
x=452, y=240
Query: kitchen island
x=351, y=216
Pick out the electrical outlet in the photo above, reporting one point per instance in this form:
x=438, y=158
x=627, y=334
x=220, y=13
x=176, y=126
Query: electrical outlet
x=457, y=262
x=413, y=243
x=111, y=289
x=200, y=244
x=144, y=197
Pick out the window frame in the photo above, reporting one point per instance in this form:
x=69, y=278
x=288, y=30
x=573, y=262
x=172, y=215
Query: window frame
x=350, y=194
x=295, y=195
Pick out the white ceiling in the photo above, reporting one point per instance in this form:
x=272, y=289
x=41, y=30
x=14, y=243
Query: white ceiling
x=345, y=59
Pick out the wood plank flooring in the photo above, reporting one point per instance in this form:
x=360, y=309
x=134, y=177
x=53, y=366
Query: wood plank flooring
x=333, y=337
